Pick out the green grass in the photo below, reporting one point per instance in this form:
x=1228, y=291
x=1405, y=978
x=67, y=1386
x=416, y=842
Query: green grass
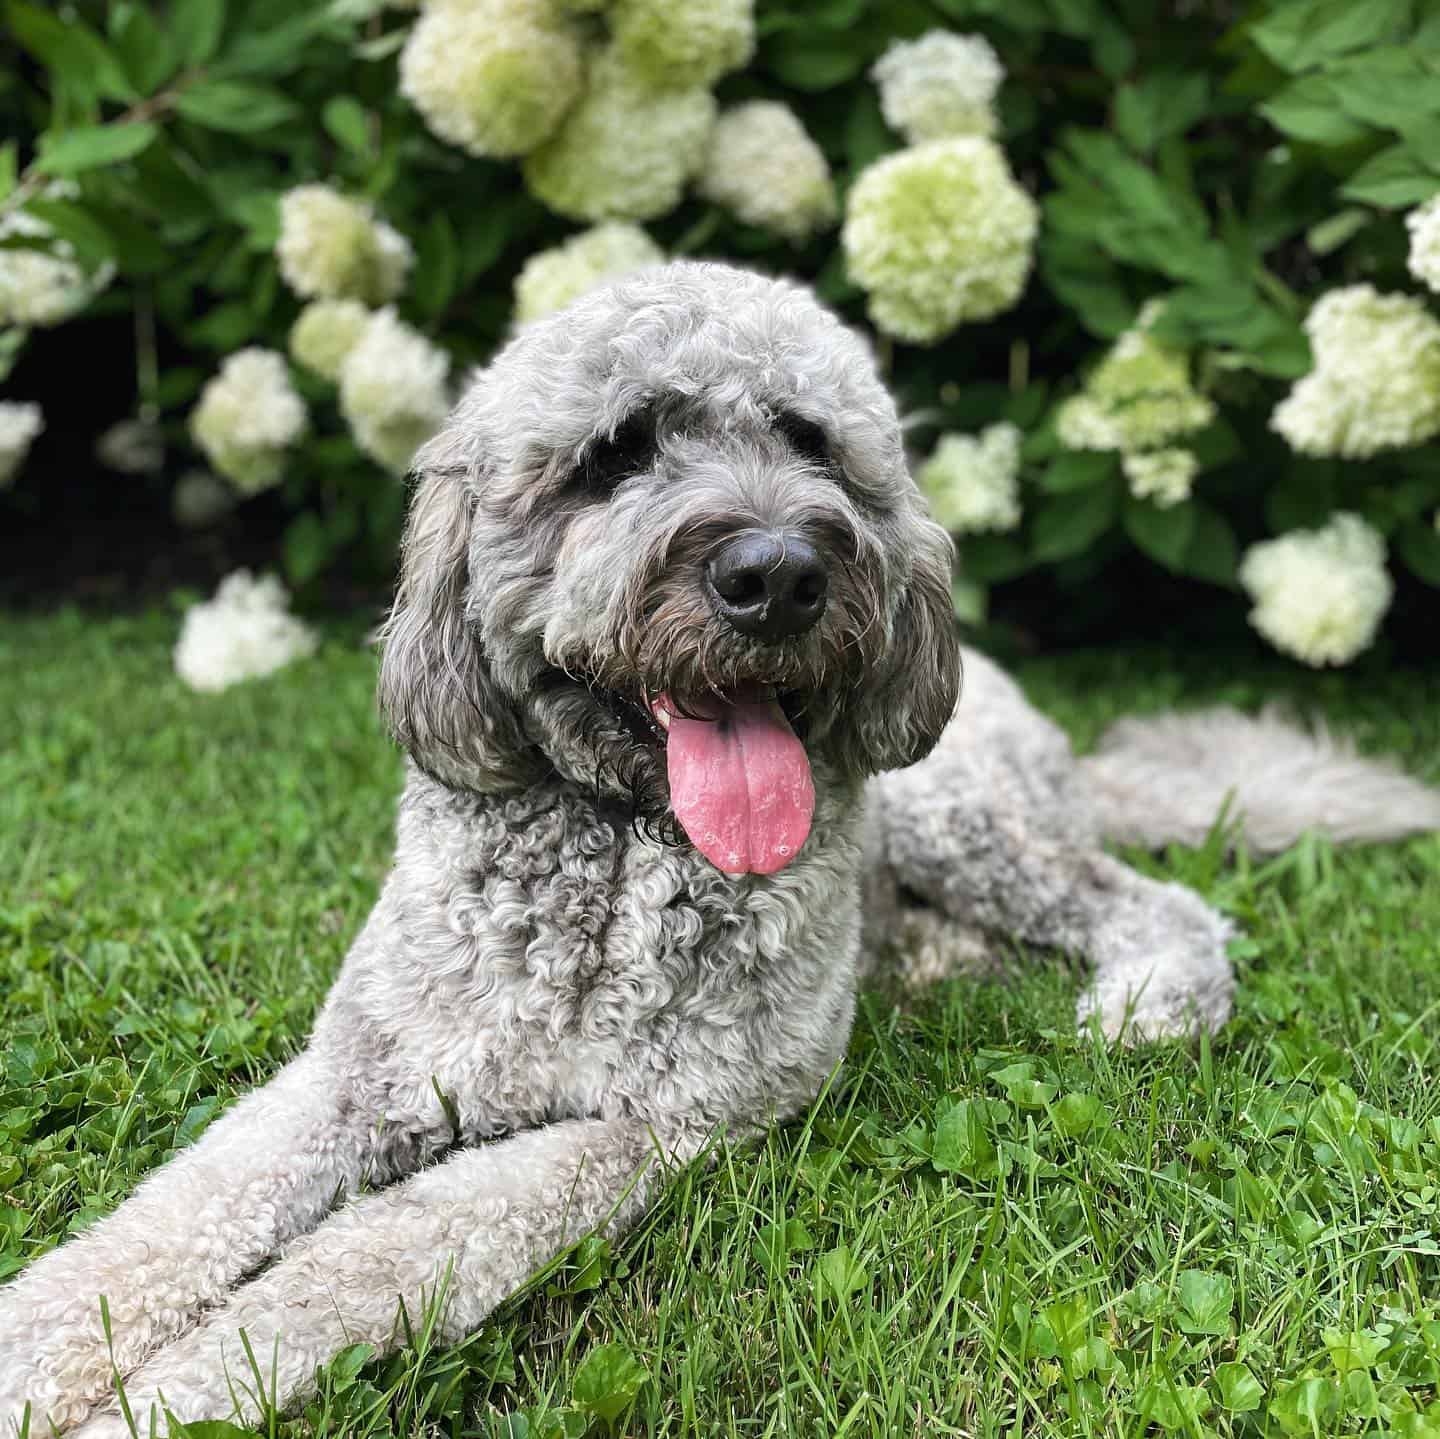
x=991, y=1225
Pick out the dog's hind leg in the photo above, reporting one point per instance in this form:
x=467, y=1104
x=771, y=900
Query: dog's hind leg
x=264, y=1172
x=462, y=1235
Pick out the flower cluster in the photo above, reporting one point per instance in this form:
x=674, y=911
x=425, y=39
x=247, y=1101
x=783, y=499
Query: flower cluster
x=20, y=425
x=551, y=279
x=939, y=234
x=676, y=43
x=494, y=77
x=200, y=500
x=765, y=169
x=1165, y=476
x=334, y=248
x=939, y=85
x=1424, y=226
x=1138, y=401
x=1376, y=381
x=244, y=632
x=973, y=481
x=626, y=151
x=1319, y=594
x=247, y=419
x=325, y=333
x=392, y=390
x=44, y=285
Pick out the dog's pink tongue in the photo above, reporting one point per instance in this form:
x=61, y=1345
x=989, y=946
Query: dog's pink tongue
x=740, y=784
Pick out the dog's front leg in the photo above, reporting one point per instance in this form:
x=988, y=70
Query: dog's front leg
x=464, y=1235
x=267, y=1170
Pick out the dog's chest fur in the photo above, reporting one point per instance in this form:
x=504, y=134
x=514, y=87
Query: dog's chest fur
x=533, y=958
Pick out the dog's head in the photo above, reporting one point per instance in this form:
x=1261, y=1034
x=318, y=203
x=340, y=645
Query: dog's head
x=667, y=545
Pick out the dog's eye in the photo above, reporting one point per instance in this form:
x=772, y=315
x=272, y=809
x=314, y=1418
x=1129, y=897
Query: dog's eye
x=612, y=458
x=805, y=437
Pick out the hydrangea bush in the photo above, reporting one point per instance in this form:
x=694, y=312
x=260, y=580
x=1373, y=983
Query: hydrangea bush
x=1154, y=285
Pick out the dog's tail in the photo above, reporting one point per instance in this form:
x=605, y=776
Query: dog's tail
x=1170, y=777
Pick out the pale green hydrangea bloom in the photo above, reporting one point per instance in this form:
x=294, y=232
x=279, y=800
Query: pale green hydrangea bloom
x=244, y=632
x=333, y=248
x=247, y=419
x=1139, y=397
x=765, y=169
x=1319, y=595
x=325, y=332
x=392, y=390
x=626, y=151
x=939, y=85
x=494, y=77
x=1424, y=226
x=1165, y=476
x=676, y=43
x=551, y=279
x=1376, y=381
x=973, y=481
x=45, y=286
x=200, y=500
x=939, y=235
x=20, y=426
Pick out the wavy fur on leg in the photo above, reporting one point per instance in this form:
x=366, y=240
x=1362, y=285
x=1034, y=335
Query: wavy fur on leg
x=1169, y=777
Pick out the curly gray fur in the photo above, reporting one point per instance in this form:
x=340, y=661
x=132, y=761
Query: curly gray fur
x=549, y=997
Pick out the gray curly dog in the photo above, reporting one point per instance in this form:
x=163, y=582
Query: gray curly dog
x=671, y=625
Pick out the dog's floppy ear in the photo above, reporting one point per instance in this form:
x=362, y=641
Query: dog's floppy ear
x=436, y=690
x=910, y=702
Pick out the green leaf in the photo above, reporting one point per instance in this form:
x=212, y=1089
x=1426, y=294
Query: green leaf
x=307, y=547
x=85, y=147
x=347, y=123
x=78, y=58
x=1077, y=1113
x=241, y=107
x=1212, y=553
x=1240, y=1391
x=1394, y=179
x=1310, y=109
x=1159, y=105
x=1332, y=234
x=281, y=50
x=216, y=1428
x=962, y=1142
x=841, y=1273
x=9, y=166
x=1306, y=1406
x=608, y=1380
x=991, y=559
x=196, y=27
x=1304, y=33
x=144, y=49
x=196, y=1118
x=437, y=266
x=226, y=327
x=78, y=226
x=1077, y=470
x=1064, y=525
x=1162, y=533
x=812, y=62
x=1419, y=545
x=1171, y=1406
x=1205, y=1302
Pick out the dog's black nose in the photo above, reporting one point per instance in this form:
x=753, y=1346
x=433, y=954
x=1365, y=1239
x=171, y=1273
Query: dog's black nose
x=768, y=585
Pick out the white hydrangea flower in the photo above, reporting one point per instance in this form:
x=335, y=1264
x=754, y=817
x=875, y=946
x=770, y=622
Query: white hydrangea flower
x=764, y=168
x=1139, y=397
x=626, y=151
x=199, y=500
x=1424, y=226
x=392, y=390
x=494, y=77
x=244, y=632
x=44, y=287
x=132, y=447
x=551, y=279
x=325, y=332
x=677, y=43
x=332, y=247
x=247, y=419
x=973, y=481
x=20, y=426
x=939, y=235
x=1376, y=381
x=940, y=85
x=1319, y=595
x=1165, y=476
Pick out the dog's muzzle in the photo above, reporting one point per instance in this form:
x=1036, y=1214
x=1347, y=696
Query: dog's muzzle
x=766, y=585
